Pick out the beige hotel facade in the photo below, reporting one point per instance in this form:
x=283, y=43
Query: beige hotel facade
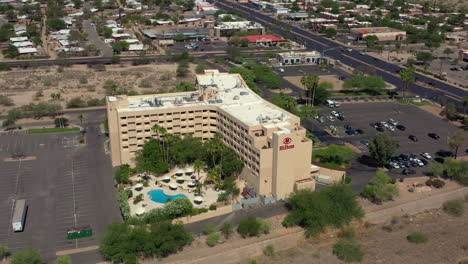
x=269, y=140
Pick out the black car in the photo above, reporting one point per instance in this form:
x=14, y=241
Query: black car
x=349, y=132
x=374, y=125
x=433, y=135
x=347, y=127
x=401, y=127
x=413, y=138
x=12, y=128
x=380, y=129
x=365, y=142
x=341, y=118
x=424, y=161
x=408, y=171
x=360, y=131
x=445, y=154
x=439, y=159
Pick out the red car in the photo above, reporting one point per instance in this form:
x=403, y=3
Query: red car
x=206, y=42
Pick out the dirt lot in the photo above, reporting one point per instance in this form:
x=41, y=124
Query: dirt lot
x=448, y=243
x=337, y=84
x=79, y=80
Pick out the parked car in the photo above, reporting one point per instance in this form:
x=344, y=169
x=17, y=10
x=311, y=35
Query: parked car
x=349, y=132
x=445, y=154
x=334, y=113
x=207, y=42
x=281, y=70
x=360, y=131
x=380, y=129
x=439, y=159
x=424, y=161
x=347, y=127
x=365, y=142
x=426, y=155
x=331, y=118
x=401, y=127
x=332, y=127
x=341, y=118
x=434, y=136
x=413, y=138
x=392, y=121
x=408, y=171
x=391, y=128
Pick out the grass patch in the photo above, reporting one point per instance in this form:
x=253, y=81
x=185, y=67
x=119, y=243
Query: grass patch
x=269, y=251
x=410, y=101
x=454, y=207
x=417, y=238
x=52, y=130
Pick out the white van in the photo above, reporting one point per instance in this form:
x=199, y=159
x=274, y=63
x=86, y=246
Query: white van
x=330, y=103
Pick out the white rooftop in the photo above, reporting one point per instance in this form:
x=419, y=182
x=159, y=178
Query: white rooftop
x=233, y=97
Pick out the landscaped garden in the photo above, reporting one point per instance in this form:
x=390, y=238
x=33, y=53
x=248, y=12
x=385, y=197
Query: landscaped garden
x=333, y=156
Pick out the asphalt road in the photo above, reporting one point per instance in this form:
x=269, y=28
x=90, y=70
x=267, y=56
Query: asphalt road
x=359, y=115
x=353, y=58
x=67, y=185
x=106, y=49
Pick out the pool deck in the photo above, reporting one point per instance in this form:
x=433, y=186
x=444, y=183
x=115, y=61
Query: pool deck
x=209, y=195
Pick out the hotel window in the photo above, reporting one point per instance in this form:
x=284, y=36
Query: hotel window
x=146, y=115
x=123, y=125
x=125, y=147
x=125, y=139
x=123, y=117
x=138, y=116
x=138, y=124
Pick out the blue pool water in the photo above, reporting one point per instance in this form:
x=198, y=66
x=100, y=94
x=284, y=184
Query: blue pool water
x=160, y=197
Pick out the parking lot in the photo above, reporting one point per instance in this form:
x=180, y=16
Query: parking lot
x=215, y=45
x=66, y=185
x=418, y=122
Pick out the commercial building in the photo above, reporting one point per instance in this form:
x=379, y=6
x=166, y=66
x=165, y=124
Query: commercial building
x=463, y=55
x=227, y=29
x=382, y=33
x=302, y=57
x=268, y=40
x=268, y=139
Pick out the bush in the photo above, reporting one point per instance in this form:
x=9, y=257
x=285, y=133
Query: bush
x=253, y=227
x=223, y=197
x=63, y=260
x=213, y=239
x=269, y=251
x=348, y=250
x=226, y=230
x=436, y=183
x=4, y=251
x=380, y=189
x=26, y=256
x=96, y=102
x=212, y=207
x=138, y=198
x=417, y=238
x=122, y=174
x=454, y=207
x=196, y=211
x=208, y=229
x=347, y=232
x=76, y=102
x=6, y=101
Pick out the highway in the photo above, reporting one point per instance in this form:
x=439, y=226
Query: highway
x=426, y=87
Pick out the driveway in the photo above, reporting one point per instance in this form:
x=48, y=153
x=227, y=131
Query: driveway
x=106, y=49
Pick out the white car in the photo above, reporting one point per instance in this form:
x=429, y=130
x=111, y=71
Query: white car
x=334, y=113
x=393, y=122
x=419, y=162
x=426, y=155
x=390, y=128
x=331, y=118
x=337, y=104
x=394, y=165
x=281, y=70
x=332, y=127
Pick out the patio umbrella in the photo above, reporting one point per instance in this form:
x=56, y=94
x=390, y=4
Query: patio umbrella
x=198, y=200
x=138, y=186
x=173, y=186
x=140, y=211
x=189, y=171
x=179, y=173
x=191, y=184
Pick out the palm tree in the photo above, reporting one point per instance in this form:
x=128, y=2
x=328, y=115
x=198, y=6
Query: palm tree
x=214, y=175
x=464, y=102
x=161, y=133
x=81, y=117
x=407, y=76
x=310, y=82
x=200, y=188
x=198, y=166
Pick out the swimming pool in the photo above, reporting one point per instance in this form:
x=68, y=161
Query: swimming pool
x=160, y=197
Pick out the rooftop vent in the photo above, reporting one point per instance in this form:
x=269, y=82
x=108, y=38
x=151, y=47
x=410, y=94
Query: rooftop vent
x=244, y=93
x=236, y=97
x=219, y=101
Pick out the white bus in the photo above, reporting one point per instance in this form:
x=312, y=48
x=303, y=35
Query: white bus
x=19, y=215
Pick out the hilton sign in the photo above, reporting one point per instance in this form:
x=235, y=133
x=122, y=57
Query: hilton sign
x=287, y=144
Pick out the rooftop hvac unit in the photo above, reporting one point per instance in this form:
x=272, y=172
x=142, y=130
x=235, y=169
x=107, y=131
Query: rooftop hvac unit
x=236, y=97
x=244, y=93
x=260, y=119
x=211, y=101
x=219, y=101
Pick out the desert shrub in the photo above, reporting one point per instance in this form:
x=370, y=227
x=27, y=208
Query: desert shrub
x=212, y=207
x=138, y=198
x=196, y=211
x=347, y=232
x=209, y=228
x=226, y=230
x=417, y=238
x=83, y=80
x=253, y=227
x=436, y=183
x=76, y=102
x=454, y=207
x=269, y=251
x=6, y=101
x=145, y=83
x=348, y=250
x=213, y=239
x=96, y=102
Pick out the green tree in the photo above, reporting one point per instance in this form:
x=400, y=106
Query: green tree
x=456, y=140
x=110, y=86
x=4, y=252
x=382, y=147
x=185, y=86
x=198, y=166
x=370, y=41
x=26, y=256
x=450, y=110
x=380, y=189
x=226, y=230
x=286, y=102
x=457, y=170
x=295, y=7
x=61, y=122
x=252, y=226
x=81, y=117
x=179, y=37
x=330, y=32
x=56, y=24
x=213, y=239
x=11, y=52
x=233, y=52
x=120, y=46
x=407, y=77
x=424, y=56
x=63, y=260
x=334, y=206
x=370, y=84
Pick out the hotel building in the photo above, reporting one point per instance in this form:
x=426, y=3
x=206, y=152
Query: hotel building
x=268, y=139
